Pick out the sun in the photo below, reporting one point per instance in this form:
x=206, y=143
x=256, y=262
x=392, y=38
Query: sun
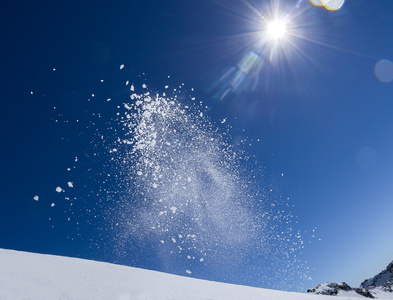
x=276, y=29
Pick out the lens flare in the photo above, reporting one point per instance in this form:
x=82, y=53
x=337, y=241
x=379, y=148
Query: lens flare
x=332, y=4
x=316, y=2
x=384, y=71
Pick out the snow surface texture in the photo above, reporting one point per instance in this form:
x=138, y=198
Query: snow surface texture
x=45, y=277
x=173, y=182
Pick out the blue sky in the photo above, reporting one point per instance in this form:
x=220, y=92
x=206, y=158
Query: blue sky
x=316, y=119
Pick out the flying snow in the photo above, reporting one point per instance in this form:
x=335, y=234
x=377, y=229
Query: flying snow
x=179, y=182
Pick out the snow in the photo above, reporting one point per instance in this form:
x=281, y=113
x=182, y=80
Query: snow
x=70, y=184
x=194, y=184
x=59, y=189
x=36, y=198
x=45, y=277
x=121, y=66
x=384, y=278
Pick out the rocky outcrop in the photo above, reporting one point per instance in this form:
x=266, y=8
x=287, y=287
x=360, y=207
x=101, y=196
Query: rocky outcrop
x=371, y=288
x=333, y=289
x=384, y=279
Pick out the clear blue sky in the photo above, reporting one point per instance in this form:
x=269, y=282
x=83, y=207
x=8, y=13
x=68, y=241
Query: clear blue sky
x=316, y=113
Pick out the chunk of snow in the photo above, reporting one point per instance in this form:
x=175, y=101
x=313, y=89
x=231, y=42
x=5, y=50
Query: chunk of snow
x=121, y=66
x=59, y=189
x=52, y=205
x=70, y=184
x=36, y=198
x=188, y=271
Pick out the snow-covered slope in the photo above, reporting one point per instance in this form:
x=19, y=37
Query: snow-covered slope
x=36, y=276
x=384, y=278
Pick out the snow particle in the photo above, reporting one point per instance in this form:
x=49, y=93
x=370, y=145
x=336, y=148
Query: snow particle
x=36, y=198
x=70, y=184
x=59, y=189
x=121, y=66
x=188, y=272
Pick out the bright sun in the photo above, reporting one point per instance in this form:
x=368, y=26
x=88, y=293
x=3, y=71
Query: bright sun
x=276, y=29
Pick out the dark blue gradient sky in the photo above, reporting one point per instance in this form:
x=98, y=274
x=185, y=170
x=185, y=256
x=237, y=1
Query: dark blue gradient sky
x=315, y=115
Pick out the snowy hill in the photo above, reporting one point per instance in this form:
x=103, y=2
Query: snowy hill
x=380, y=286
x=35, y=276
x=383, y=279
